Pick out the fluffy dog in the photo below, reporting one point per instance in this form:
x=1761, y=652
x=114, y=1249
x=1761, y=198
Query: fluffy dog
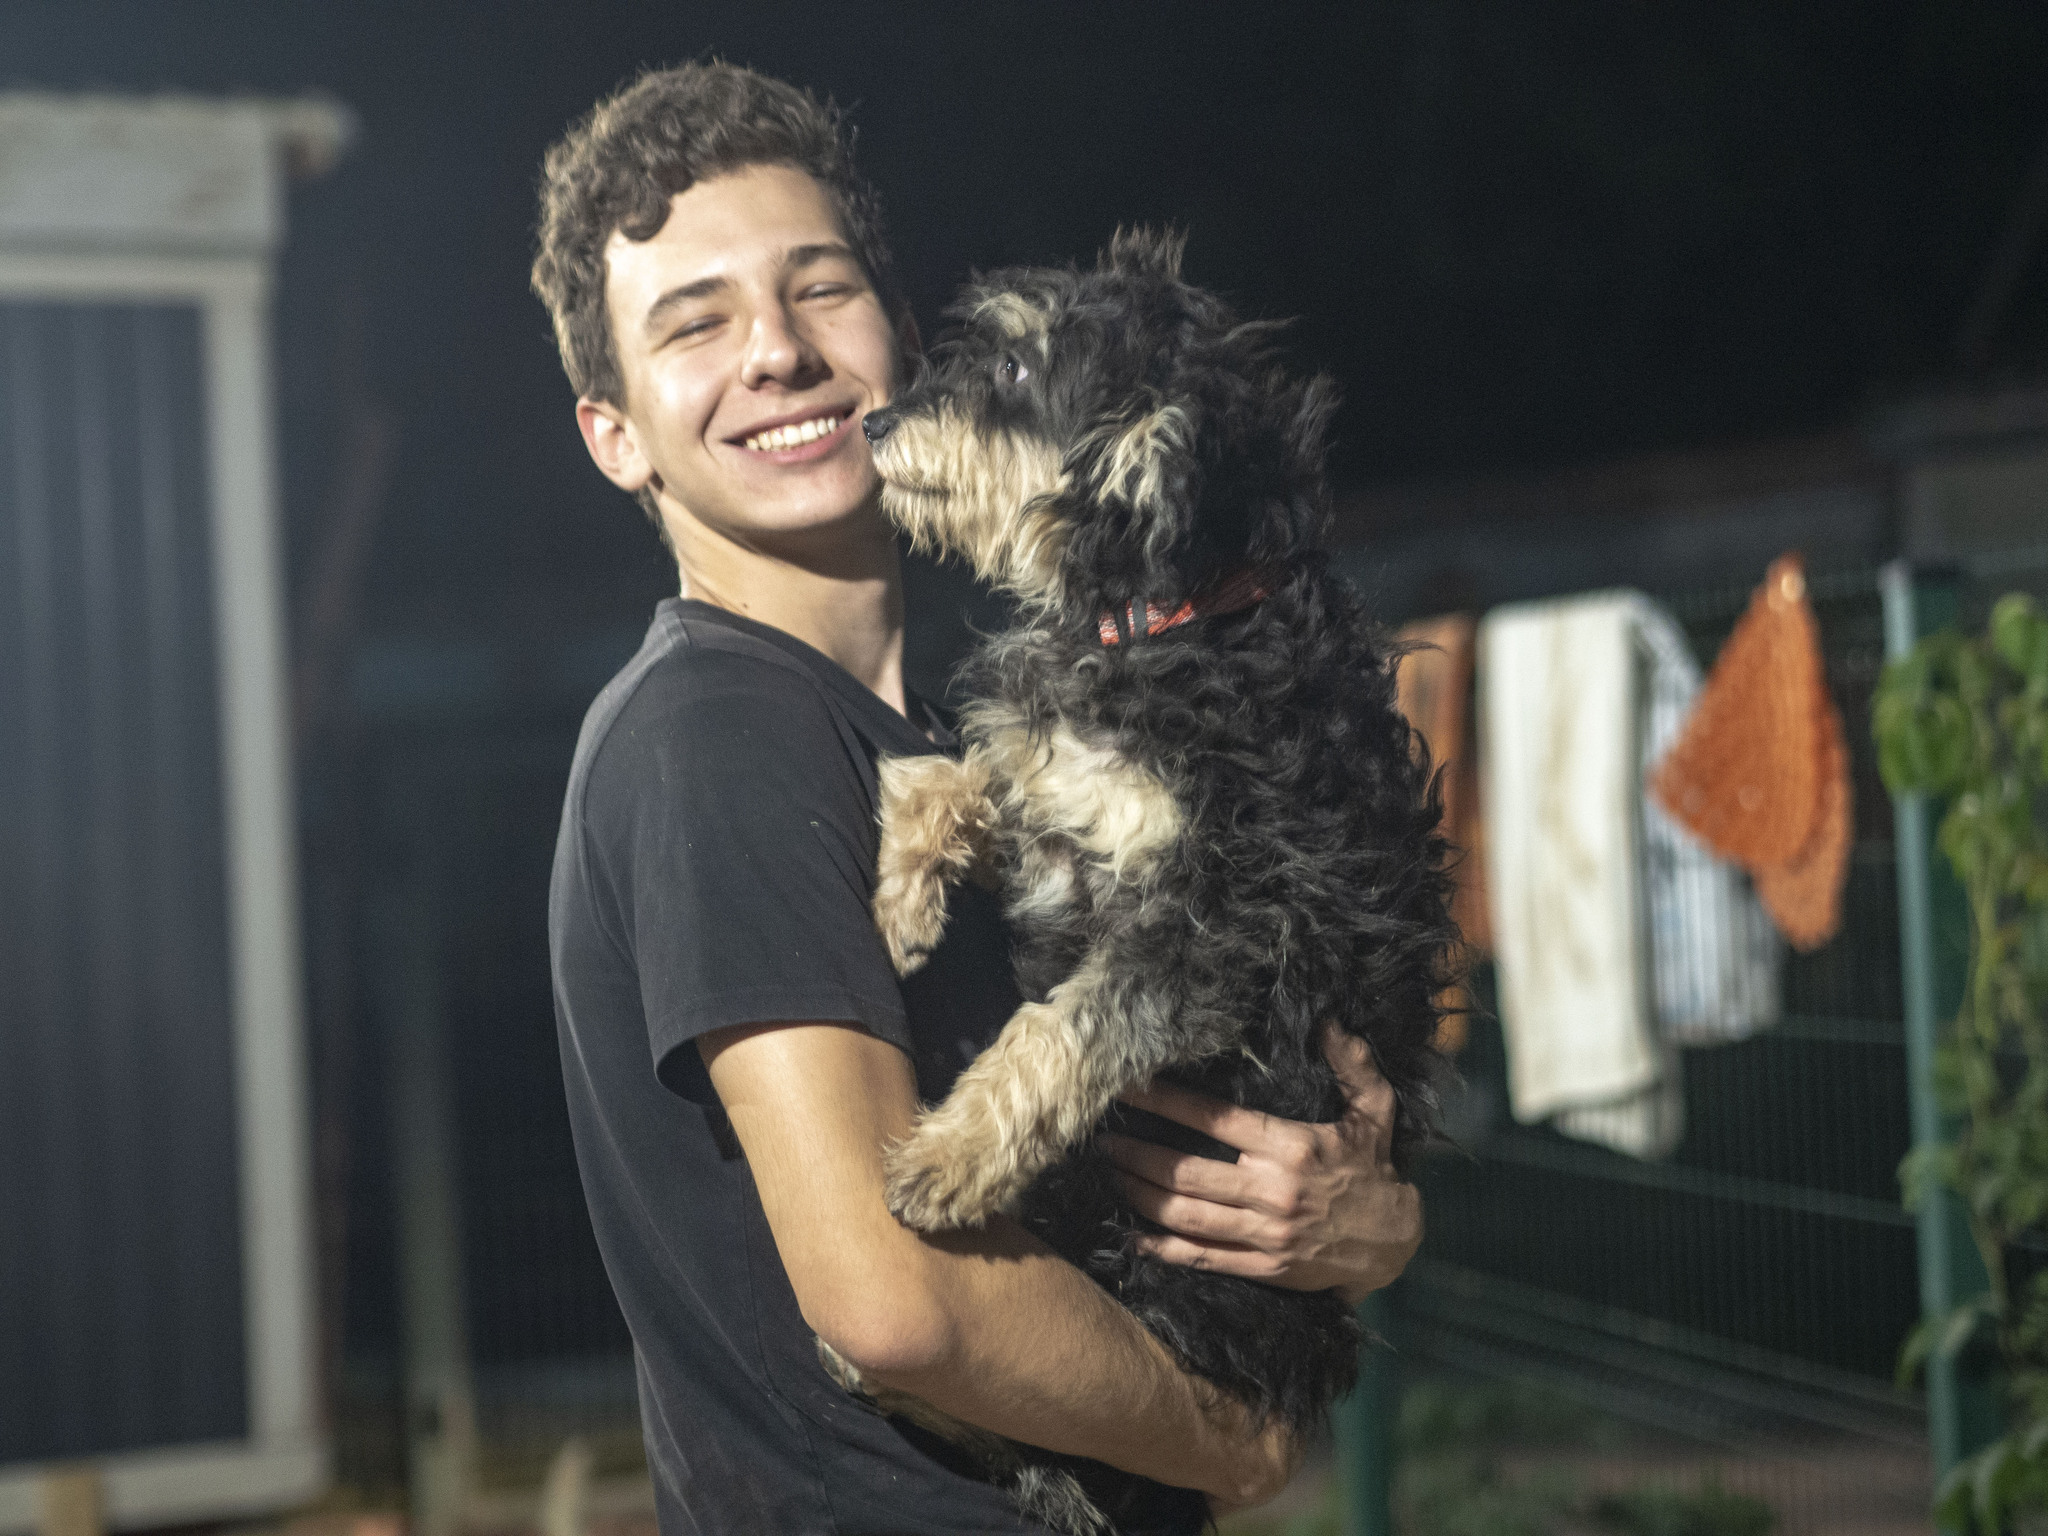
x=1214, y=830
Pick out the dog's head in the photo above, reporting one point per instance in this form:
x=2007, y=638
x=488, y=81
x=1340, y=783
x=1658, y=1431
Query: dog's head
x=1090, y=438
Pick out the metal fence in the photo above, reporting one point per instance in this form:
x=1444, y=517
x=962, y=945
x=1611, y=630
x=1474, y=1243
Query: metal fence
x=1749, y=1293
x=511, y=1303
x=1746, y=1295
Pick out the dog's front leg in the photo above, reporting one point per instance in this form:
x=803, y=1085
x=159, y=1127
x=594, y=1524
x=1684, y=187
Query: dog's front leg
x=1050, y=1075
x=936, y=815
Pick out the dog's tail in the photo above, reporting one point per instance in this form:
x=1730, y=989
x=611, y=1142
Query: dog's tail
x=1052, y=1497
x=1056, y=1499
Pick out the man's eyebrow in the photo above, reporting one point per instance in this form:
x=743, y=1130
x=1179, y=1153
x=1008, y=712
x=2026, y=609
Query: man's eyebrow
x=702, y=288
x=804, y=255
x=797, y=256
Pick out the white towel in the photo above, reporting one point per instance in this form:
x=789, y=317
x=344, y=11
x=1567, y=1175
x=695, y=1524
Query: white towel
x=1562, y=790
x=1714, y=953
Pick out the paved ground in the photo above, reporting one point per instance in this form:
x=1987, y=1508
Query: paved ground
x=1814, y=1490
x=1818, y=1490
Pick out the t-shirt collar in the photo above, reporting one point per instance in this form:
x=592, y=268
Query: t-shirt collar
x=925, y=727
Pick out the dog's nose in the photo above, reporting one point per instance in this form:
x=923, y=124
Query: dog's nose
x=877, y=425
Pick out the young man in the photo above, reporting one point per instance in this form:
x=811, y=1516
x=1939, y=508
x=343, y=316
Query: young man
x=736, y=1049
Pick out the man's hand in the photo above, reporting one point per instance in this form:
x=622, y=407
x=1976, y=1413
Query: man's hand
x=1306, y=1207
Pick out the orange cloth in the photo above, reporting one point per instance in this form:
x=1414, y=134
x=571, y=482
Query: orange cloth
x=1760, y=773
x=1434, y=688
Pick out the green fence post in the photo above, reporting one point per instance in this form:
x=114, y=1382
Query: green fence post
x=1962, y=1409
x=1365, y=1430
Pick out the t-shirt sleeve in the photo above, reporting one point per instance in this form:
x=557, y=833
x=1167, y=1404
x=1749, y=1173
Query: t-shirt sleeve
x=737, y=841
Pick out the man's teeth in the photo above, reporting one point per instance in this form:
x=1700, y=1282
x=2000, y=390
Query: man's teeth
x=795, y=435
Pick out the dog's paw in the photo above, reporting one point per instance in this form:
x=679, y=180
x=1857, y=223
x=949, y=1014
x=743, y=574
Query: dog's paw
x=910, y=912
x=932, y=1187
x=935, y=819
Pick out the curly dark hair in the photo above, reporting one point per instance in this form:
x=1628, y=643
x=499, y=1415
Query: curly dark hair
x=669, y=129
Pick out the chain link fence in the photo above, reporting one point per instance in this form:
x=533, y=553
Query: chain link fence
x=1738, y=1305
x=1742, y=1302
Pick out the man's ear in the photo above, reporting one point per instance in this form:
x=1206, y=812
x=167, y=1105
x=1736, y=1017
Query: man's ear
x=614, y=446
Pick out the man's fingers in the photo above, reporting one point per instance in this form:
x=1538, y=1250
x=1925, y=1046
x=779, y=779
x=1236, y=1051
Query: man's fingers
x=1181, y=1172
x=1218, y=1258
x=1189, y=1216
x=1260, y=1185
x=1248, y=1130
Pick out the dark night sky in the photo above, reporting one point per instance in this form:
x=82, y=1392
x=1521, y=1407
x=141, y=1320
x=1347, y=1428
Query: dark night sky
x=1521, y=234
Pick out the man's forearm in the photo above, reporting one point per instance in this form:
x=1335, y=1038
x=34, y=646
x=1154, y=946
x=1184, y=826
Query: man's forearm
x=1034, y=1350
x=990, y=1326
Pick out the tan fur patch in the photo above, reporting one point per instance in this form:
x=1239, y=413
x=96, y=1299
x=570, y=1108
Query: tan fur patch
x=1013, y=314
x=1047, y=883
x=1091, y=795
x=1046, y=1079
x=936, y=815
x=1134, y=468
x=1022, y=1102
x=984, y=498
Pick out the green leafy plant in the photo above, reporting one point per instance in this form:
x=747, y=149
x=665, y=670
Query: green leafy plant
x=1965, y=720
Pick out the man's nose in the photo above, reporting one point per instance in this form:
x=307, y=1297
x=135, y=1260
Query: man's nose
x=877, y=425
x=779, y=350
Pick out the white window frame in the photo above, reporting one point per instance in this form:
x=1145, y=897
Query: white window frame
x=141, y=259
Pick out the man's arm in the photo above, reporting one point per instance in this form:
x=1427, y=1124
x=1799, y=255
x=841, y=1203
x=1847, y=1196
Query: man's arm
x=992, y=1327
x=1309, y=1207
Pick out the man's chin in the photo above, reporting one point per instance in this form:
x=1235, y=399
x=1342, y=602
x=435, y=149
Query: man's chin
x=785, y=524
x=822, y=492
x=780, y=498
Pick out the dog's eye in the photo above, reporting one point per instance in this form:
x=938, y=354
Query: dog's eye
x=1010, y=371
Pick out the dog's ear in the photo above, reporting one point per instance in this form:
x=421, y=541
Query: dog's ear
x=1305, y=412
x=1293, y=504
x=1141, y=251
x=1145, y=461
x=1142, y=476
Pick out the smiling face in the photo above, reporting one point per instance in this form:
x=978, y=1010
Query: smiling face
x=751, y=344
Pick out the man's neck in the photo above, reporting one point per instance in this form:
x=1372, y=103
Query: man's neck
x=842, y=595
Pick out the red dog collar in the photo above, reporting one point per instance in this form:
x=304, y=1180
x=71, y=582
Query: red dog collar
x=1244, y=586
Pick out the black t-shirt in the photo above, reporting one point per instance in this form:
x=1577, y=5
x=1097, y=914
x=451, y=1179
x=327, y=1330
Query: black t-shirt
x=715, y=867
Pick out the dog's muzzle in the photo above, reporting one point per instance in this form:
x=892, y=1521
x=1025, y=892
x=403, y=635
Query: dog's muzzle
x=877, y=425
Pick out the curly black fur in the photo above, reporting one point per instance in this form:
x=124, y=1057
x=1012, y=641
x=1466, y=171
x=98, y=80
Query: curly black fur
x=1308, y=883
